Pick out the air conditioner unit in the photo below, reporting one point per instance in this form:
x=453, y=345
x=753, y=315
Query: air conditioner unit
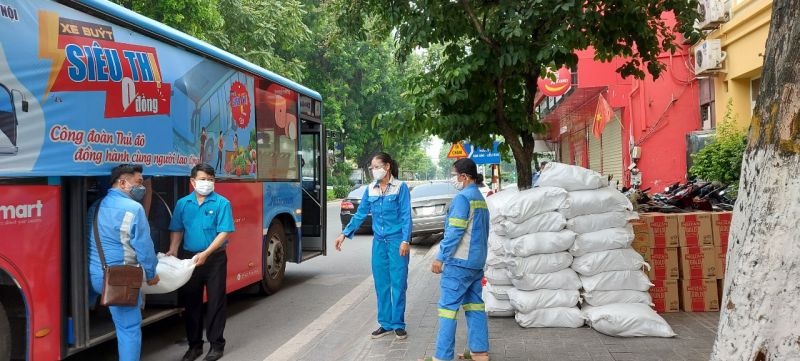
x=708, y=57
x=713, y=13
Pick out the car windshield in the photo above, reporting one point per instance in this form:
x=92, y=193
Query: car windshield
x=358, y=193
x=432, y=190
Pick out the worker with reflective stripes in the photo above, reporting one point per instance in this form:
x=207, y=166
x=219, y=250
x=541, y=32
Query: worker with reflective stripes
x=461, y=258
x=389, y=201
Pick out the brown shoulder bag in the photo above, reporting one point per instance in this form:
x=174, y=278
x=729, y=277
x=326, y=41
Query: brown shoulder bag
x=121, y=284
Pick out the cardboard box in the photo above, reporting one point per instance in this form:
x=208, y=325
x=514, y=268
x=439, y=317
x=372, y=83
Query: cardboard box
x=721, y=226
x=641, y=235
x=722, y=255
x=720, y=288
x=699, y=295
x=663, y=263
x=698, y=263
x=662, y=230
x=694, y=230
x=665, y=296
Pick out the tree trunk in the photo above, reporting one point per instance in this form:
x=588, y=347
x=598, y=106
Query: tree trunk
x=760, y=319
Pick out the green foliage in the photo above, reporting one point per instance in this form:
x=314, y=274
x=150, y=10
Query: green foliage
x=721, y=160
x=340, y=175
x=341, y=192
x=475, y=63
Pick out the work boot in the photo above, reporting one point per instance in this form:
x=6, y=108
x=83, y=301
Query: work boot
x=213, y=355
x=380, y=332
x=193, y=353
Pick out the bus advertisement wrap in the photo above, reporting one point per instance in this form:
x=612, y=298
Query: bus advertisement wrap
x=79, y=95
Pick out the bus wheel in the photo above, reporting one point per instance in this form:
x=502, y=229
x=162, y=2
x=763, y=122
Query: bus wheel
x=5, y=335
x=274, y=258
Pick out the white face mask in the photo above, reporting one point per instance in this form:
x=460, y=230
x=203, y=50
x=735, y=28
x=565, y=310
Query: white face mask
x=456, y=184
x=378, y=174
x=204, y=187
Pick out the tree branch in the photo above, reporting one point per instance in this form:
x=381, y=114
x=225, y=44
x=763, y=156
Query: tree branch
x=478, y=26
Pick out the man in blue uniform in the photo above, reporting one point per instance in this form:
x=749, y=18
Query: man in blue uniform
x=125, y=238
x=461, y=258
x=202, y=221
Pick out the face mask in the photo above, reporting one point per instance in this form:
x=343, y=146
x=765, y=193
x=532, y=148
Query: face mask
x=456, y=184
x=137, y=192
x=378, y=174
x=204, y=187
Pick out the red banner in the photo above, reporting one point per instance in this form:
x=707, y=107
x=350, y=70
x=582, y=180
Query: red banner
x=602, y=115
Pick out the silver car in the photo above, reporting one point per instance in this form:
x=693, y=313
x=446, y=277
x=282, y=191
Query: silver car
x=430, y=203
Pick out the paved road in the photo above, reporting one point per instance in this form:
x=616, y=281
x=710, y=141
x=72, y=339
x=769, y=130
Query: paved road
x=257, y=325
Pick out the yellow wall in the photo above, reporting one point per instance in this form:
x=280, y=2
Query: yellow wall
x=744, y=39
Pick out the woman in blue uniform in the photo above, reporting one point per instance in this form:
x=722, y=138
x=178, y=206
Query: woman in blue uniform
x=389, y=201
x=461, y=258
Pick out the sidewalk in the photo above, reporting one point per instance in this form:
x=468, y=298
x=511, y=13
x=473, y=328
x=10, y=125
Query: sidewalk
x=349, y=338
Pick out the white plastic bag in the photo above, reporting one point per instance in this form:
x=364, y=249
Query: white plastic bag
x=172, y=273
x=497, y=276
x=528, y=301
x=570, y=317
x=495, y=307
x=570, y=177
x=627, y=320
x=566, y=279
x=539, y=263
x=602, y=298
x=498, y=291
x=606, y=199
x=495, y=261
x=612, y=238
x=545, y=222
x=616, y=280
x=531, y=202
x=613, y=260
x=601, y=221
x=498, y=201
x=540, y=243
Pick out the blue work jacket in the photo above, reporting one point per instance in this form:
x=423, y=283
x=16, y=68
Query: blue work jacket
x=466, y=232
x=391, y=212
x=124, y=235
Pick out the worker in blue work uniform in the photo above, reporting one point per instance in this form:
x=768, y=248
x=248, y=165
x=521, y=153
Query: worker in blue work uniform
x=389, y=200
x=461, y=258
x=125, y=238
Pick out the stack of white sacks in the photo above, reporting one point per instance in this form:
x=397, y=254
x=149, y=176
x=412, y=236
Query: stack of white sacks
x=616, y=301
x=529, y=262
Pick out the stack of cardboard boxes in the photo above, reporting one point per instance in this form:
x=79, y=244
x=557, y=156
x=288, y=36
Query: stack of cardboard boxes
x=686, y=253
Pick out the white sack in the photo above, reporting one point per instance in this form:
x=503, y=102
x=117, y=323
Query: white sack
x=528, y=301
x=601, y=221
x=570, y=317
x=531, y=202
x=616, y=280
x=497, y=276
x=606, y=199
x=566, y=279
x=495, y=261
x=498, y=201
x=612, y=238
x=539, y=263
x=602, y=298
x=497, y=244
x=627, y=320
x=545, y=222
x=172, y=272
x=570, y=177
x=614, y=260
x=540, y=243
x=495, y=307
x=498, y=291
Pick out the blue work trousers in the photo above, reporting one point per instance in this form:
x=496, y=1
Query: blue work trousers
x=390, y=273
x=128, y=324
x=461, y=287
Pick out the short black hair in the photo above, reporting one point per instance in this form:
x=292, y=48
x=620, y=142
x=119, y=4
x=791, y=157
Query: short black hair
x=467, y=166
x=124, y=169
x=203, y=167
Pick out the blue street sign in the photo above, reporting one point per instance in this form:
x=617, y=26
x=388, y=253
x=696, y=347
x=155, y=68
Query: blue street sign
x=483, y=156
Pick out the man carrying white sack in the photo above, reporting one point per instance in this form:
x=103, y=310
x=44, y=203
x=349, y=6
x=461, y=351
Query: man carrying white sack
x=461, y=258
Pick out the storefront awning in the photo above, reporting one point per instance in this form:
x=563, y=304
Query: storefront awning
x=573, y=112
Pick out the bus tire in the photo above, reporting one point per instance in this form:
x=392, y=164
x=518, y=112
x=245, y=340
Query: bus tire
x=274, y=258
x=5, y=335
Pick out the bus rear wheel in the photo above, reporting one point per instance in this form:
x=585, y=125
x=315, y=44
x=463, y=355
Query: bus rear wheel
x=274, y=259
x=5, y=335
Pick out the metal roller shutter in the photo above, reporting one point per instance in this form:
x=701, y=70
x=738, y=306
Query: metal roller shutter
x=595, y=153
x=612, y=150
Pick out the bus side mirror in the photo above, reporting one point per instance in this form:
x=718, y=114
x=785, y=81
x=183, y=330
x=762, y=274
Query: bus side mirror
x=25, y=106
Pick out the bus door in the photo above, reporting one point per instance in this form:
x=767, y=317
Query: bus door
x=312, y=162
x=8, y=121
